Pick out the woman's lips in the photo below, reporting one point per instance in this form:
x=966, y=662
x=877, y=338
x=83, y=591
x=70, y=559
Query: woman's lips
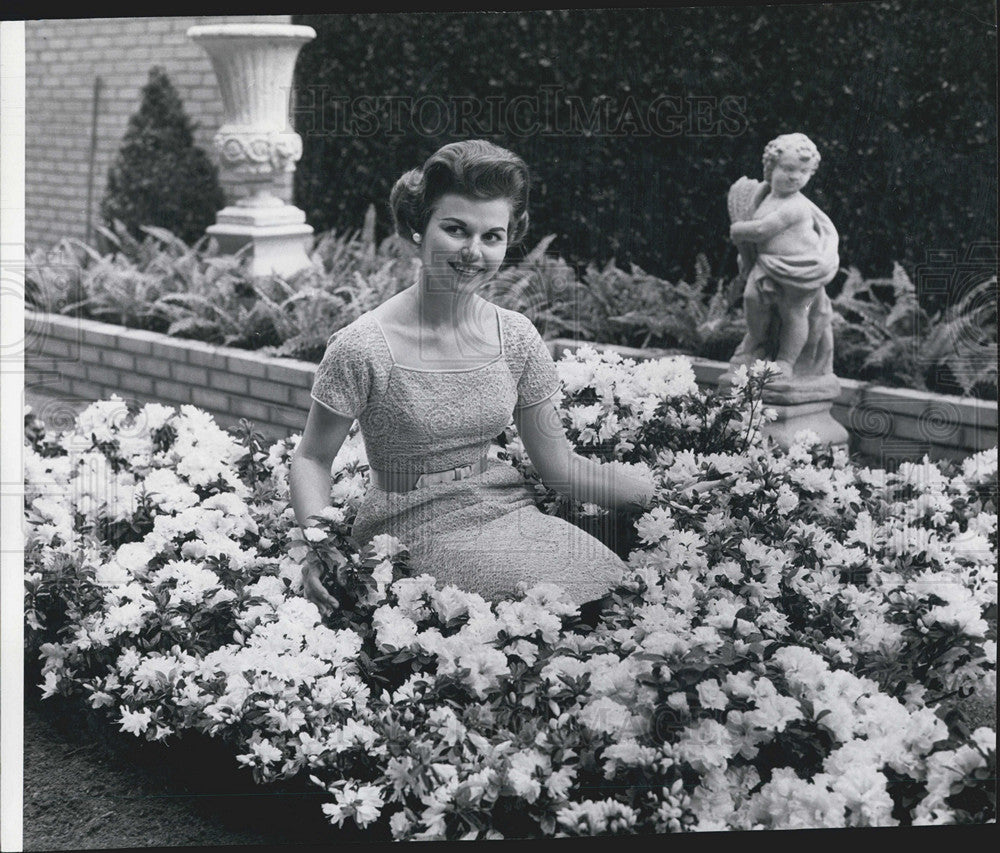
x=462, y=269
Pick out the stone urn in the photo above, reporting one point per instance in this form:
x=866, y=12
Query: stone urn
x=253, y=64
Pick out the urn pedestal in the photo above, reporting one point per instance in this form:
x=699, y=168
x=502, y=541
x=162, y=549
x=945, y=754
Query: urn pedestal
x=253, y=64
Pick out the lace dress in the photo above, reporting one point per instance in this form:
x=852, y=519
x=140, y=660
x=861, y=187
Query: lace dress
x=483, y=534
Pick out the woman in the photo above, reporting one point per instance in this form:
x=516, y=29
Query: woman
x=432, y=376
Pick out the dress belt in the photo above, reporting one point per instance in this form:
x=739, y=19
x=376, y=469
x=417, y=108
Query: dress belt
x=403, y=481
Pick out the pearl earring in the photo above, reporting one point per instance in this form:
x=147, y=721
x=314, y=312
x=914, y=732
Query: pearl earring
x=416, y=237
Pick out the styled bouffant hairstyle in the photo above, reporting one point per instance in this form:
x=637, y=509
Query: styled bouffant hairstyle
x=474, y=168
x=793, y=143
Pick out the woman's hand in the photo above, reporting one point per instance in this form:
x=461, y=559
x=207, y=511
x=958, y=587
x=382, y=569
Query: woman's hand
x=696, y=487
x=313, y=589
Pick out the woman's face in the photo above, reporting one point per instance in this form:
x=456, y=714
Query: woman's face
x=465, y=241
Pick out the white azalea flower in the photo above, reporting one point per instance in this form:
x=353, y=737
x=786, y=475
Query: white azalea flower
x=387, y=547
x=393, y=629
x=135, y=722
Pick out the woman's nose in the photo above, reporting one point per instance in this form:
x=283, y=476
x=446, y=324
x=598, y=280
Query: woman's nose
x=472, y=248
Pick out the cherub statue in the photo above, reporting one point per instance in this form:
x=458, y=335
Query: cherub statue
x=787, y=254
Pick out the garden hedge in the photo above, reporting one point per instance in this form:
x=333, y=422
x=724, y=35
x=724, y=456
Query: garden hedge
x=899, y=96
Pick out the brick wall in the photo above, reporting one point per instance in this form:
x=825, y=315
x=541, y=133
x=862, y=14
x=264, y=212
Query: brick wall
x=87, y=360
x=62, y=60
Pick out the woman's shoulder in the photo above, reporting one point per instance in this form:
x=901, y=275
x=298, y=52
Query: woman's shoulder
x=522, y=340
x=517, y=326
x=358, y=336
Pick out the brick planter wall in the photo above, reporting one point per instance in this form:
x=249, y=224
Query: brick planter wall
x=87, y=360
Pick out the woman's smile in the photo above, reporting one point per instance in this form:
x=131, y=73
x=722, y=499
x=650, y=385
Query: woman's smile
x=466, y=269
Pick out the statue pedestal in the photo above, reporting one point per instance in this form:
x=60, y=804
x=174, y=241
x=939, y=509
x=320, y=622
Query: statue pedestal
x=280, y=237
x=803, y=402
x=813, y=416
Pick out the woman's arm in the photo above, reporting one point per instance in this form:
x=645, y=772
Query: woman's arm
x=560, y=468
x=309, y=474
x=309, y=481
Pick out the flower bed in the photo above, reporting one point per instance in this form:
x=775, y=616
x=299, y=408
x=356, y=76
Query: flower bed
x=795, y=649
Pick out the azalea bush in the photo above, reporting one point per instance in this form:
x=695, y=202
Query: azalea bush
x=807, y=643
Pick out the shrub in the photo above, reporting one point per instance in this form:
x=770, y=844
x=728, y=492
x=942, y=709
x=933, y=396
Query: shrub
x=160, y=177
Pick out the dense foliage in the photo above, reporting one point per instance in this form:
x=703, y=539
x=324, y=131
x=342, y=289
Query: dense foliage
x=159, y=176
x=801, y=645
x=881, y=332
x=636, y=121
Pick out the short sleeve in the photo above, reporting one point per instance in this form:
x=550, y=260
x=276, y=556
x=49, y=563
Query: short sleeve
x=343, y=378
x=539, y=379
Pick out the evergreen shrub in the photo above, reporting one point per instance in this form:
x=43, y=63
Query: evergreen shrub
x=160, y=177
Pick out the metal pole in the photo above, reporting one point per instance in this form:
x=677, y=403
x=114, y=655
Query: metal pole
x=93, y=156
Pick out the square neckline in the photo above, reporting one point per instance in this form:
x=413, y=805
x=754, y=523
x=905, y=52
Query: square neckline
x=401, y=366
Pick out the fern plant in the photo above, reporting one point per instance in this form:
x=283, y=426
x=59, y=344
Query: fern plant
x=963, y=340
x=881, y=332
x=350, y=274
x=666, y=314
x=612, y=305
x=117, y=289
x=213, y=298
x=871, y=332
x=545, y=288
x=894, y=341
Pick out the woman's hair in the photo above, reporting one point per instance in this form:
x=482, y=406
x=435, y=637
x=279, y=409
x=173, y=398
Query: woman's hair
x=793, y=143
x=474, y=168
